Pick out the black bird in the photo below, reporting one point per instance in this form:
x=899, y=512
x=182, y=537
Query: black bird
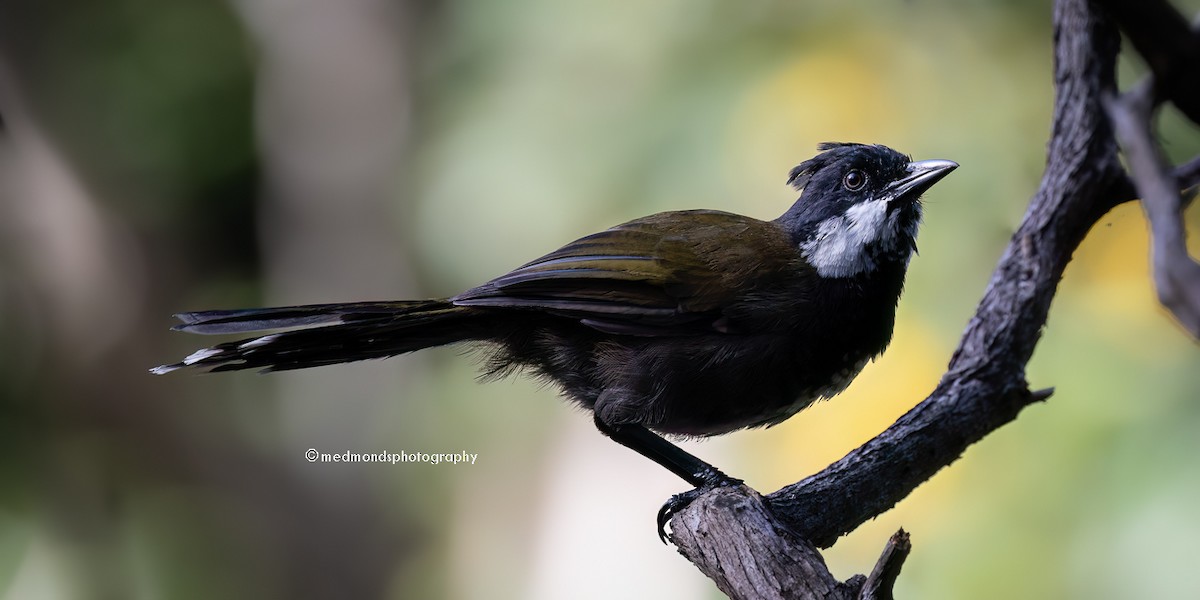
x=689, y=323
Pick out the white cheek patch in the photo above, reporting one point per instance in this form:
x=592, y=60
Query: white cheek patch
x=846, y=245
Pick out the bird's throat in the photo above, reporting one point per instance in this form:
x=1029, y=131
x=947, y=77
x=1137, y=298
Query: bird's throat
x=859, y=240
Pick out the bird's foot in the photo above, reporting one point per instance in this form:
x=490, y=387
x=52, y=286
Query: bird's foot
x=680, y=501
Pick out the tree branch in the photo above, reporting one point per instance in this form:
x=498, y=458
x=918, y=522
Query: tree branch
x=1172, y=50
x=984, y=386
x=1176, y=275
x=731, y=537
x=737, y=543
x=1186, y=176
x=1169, y=45
x=882, y=579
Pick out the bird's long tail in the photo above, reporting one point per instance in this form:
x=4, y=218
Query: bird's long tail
x=323, y=334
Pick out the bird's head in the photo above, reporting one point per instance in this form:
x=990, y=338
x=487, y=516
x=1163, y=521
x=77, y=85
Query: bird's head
x=859, y=208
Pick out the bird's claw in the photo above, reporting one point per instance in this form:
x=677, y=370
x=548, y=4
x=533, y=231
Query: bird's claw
x=669, y=508
x=680, y=501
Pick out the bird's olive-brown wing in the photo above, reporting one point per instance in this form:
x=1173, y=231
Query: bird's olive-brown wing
x=665, y=270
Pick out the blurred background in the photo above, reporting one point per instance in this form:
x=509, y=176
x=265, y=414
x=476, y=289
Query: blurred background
x=166, y=156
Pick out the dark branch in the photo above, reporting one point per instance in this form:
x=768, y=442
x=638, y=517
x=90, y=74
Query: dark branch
x=1176, y=275
x=725, y=528
x=1186, y=176
x=1172, y=50
x=731, y=537
x=1169, y=45
x=882, y=579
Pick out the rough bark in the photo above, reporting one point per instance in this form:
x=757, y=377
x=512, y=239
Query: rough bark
x=749, y=556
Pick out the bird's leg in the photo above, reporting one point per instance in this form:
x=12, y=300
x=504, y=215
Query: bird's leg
x=649, y=444
x=675, y=459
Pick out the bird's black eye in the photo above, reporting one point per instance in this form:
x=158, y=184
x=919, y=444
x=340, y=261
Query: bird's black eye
x=854, y=180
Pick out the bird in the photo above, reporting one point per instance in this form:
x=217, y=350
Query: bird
x=682, y=324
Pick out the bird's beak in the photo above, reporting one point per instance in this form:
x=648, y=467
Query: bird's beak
x=921, y=176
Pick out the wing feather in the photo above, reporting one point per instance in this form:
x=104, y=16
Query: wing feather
x=640, y=276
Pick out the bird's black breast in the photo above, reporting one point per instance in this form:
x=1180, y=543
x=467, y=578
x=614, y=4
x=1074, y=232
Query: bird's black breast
x=793, y=342
x=762, y=378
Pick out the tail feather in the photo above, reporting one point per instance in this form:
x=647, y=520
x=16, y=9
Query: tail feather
x=322, y=334
x=214, y=322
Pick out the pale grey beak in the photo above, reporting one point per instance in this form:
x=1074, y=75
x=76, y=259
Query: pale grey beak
x=921, y=176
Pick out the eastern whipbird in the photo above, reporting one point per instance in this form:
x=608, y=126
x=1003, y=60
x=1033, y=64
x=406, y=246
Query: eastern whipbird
x=689, y=323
